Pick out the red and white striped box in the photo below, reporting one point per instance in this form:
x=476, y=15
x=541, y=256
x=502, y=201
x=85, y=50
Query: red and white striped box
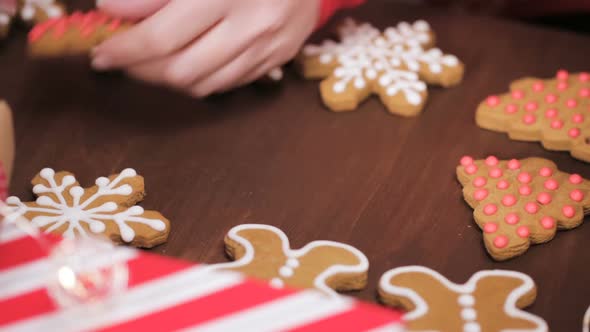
x=166, y=294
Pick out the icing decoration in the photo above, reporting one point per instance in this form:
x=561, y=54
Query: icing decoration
x=40, y=10
x=490, y=301
x=389, y=63
x=552, y=111
x=538, y=200
x=108, y=208
x=264, y=252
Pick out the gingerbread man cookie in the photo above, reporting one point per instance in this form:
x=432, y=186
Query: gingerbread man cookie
x=554, y=112
x=395, y=64
x=490, y=301
x=37, y=11
x=263, y=252
x=75, y=34
x=108, y=208
x=519, y=202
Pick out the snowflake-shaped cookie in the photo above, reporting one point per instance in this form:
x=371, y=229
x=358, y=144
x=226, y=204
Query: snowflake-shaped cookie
x=395, y=64
x=108, y=208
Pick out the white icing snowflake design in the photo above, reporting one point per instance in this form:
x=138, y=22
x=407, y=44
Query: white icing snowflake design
x=56, y=208
x=393, y=58
x=30, y=7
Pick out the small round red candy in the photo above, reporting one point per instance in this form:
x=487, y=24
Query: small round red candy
x=513, y=164
x=529, y=119
x=523, y=232
x=531, y=106
x=524, y=177
x=502, y=184
x=550, y=98
x=584, y=93
x=538, y=86
x=490, y=209
x=490, y=227
x=568, y=211
x=578, y=118
x=493, y=101
x=545, y=171
x=471, y=169
x=551, y=184
x=547, y=222
x=517, y=94
x=491, y=161
x=551, y=113
x=531, y=208
x=480, y=194
x=574, y=132
x=577, y=195
x=584, y=77
x=575, y=179
x=510, y=108
x=508, y=200
x=480, y=181
x=556, y=124
x=544, y=198
x=495, y=173
x=562, y=86
x=466, y=160
x=512, y=219
x=525, y=190
x=562, y=74
x=571, y=103
x=501, y=241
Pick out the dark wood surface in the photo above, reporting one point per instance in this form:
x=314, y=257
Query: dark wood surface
x=274, y=155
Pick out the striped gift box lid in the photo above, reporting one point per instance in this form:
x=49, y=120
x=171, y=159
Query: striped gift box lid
x=166, y=294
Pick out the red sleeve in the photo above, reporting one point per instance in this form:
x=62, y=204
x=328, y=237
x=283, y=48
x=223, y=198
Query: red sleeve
x=329, y=7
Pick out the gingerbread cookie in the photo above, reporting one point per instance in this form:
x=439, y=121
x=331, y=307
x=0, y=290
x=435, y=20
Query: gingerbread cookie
x=263, y=252
x=6, y=139
x=3, y=183
x=395, y=64
x=37, y=11
x=554, y=112
x=519, y=202
x=5, y=22
x=108, y=208
x=75, y=34
x=490, y=301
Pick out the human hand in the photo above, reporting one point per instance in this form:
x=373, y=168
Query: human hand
x=203, y=47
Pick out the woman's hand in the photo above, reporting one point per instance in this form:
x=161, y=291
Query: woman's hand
x=203, y=47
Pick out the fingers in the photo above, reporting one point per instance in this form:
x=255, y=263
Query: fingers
x=131, y=9
x=168, y=30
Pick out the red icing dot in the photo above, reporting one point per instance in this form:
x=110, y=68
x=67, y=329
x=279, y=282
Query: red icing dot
x=517, y=94
x=491, y=161
x=547, y=222
x=523, y=231
x=584, y=93
x=538, y=86
x=571, y=103
x=510, y=108
x=512, y=219
x=495, y=173
x=562, y=74
x=529, y=119
x=584, y=77
x=490, y=227
x=503, y=184
x=471, y=169
x=545, y=171
x=509, y=200
x=514, y=164
x=524, y=177
x=501, y=241
x=551, y=113
x=556, y=124
x=578, y=118
x=568, y=211
x=466, y=160
x=493, y=101
x=531, y=208
x=480, y=194
x=480, y=181
x=562, y=86
x=577, y=195
x=551, y=184
x=490, y=209
x=525, y=190
x=575, y=179
x=574, y=132
x=544, y=198
x=531, y=106
x=550, y=98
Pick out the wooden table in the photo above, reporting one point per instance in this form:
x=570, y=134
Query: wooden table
x=274, y=155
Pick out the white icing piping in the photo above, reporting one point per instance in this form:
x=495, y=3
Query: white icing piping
x=421, y=307
x=75, y=212
x=320, y=281
x=48, y=6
